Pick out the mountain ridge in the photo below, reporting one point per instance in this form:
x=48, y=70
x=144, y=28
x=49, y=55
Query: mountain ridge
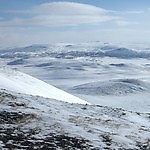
x=20, y=82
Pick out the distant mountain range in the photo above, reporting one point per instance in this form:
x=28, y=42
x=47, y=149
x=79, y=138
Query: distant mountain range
x=73, y=51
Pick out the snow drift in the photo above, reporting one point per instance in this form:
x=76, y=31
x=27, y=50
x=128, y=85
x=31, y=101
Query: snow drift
x=22, y=83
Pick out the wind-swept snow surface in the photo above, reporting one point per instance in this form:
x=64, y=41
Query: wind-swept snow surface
x=19, y=82
x=29, y=122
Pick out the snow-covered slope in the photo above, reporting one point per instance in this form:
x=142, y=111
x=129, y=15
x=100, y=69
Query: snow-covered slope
x=113, y=87
x=19, y=82
x=29, y=122
x=129, y=94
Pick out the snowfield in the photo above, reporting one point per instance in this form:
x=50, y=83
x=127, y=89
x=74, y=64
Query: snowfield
x=114, y=80
x=99, y=73
x=19, y=82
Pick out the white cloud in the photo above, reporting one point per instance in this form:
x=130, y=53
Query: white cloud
x=68, y=8
x=134, y=12
x=61, y=14
x=56, y=21
x=125, y=23
x=29, y=27
x=122, y=23
x=15, y=37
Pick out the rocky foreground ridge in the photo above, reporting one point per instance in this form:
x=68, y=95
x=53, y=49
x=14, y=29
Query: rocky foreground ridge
x=30, y=122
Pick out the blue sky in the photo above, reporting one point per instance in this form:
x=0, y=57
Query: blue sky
x=25, y=22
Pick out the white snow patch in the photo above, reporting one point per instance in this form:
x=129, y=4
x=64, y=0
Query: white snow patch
x=22, y=83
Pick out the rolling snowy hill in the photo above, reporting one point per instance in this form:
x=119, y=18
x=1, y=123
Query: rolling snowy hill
x=113, y=87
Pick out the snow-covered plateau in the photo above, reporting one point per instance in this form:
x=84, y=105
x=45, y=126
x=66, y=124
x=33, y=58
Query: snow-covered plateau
x=75, y=96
